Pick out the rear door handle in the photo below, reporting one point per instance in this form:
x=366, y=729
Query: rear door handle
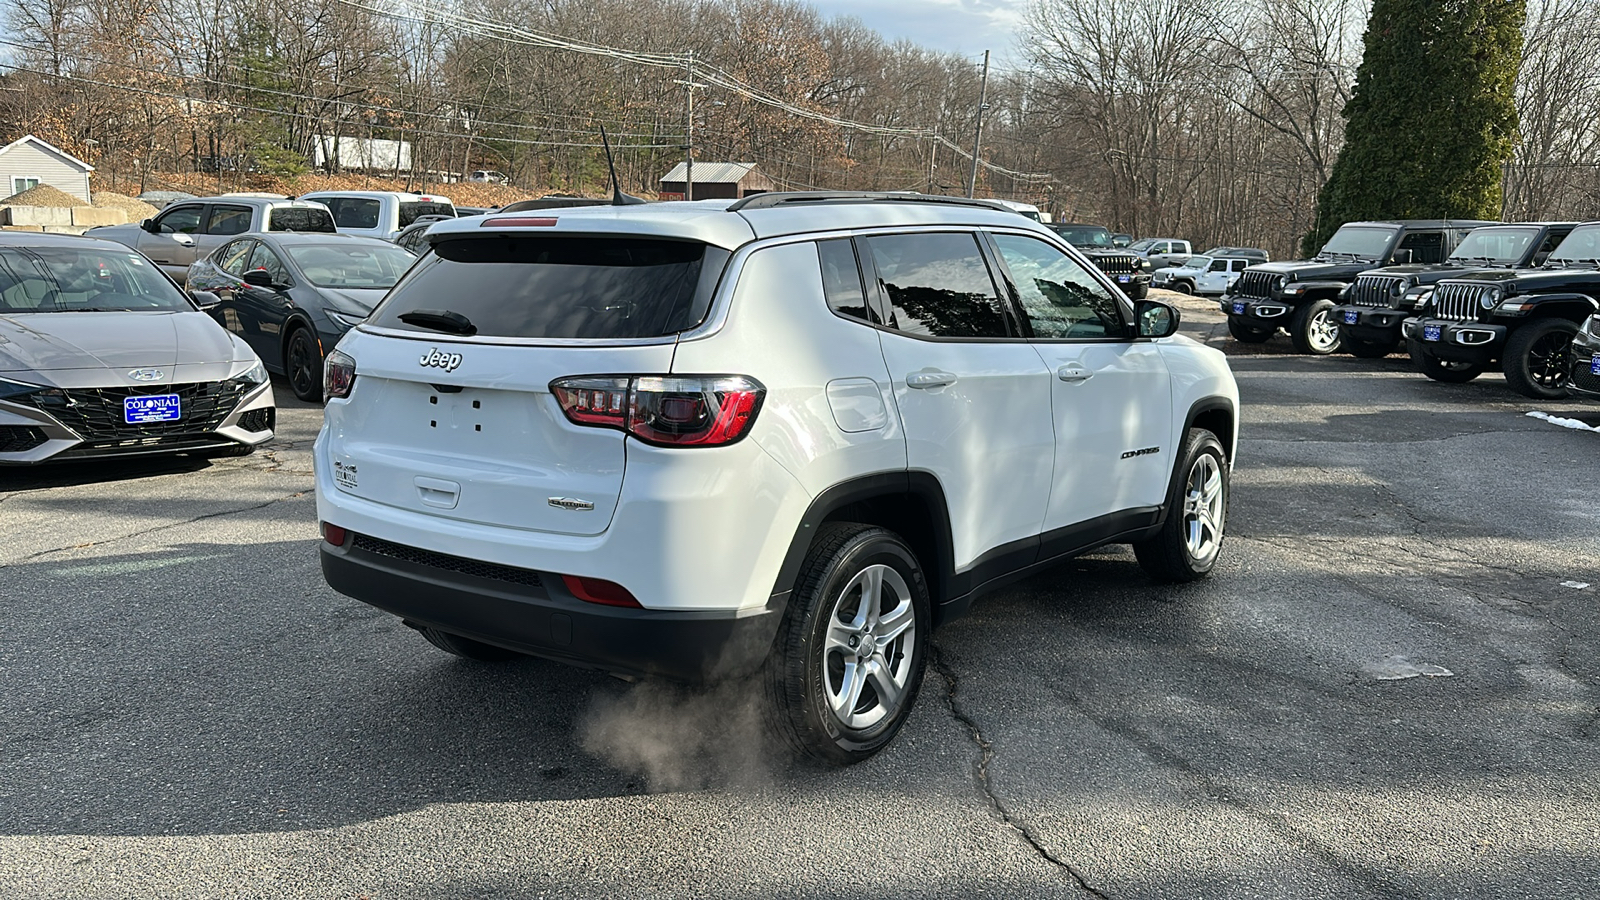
x=925, y=380
x=1073, y=372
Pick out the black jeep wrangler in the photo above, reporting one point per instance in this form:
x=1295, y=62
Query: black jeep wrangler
x=1525, y=319
x=1128, y=270
x=1299, y=295
x=1373, y=306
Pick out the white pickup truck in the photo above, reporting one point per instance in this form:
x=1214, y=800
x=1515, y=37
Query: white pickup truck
x=380, y=214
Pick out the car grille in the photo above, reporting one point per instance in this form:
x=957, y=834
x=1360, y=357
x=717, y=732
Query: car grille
x=96, y=414
x=1458, y=301
x=420, y=557
x=1117, y=265
x=1255, y=284
x=1582, y=378
x=1375, y=291
x=20, y=438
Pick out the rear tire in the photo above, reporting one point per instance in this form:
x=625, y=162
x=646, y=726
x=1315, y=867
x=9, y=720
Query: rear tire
x=1536, y=360
x=1442, y=370
x=467, y=648
x=1245, y=334
x=1187, y=546
x=1314, y=330
x=850, y=653
x=1368, y=349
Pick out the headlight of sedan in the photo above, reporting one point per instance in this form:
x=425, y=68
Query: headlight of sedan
x=17, y=388
x=255, y=375
x=344, y=320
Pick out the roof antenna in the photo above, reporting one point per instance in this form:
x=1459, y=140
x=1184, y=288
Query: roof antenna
x=618, y=198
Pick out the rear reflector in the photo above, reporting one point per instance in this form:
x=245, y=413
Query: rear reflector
x=333, y=534
x=596, y=590
x=519, y=222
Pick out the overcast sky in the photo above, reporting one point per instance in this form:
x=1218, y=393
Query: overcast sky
x=968, y=27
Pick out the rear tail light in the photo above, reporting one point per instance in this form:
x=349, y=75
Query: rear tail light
x=338, y=375
x=596, y=590
x=333, y=534
x=666, y=410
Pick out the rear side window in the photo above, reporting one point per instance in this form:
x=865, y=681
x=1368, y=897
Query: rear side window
x=410, y=211
x=937, y=285
x=352, y=212
x=229, y=220
x=1425, y=246
x=543, y=287
x=841, y=281
x=300, y=218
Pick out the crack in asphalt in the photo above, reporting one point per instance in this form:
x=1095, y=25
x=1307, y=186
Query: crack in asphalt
x=155, y=528
x=980, y=772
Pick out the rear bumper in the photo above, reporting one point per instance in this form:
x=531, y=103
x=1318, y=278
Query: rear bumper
x=538, y=616
x=1468, y=342
x=1368, y=323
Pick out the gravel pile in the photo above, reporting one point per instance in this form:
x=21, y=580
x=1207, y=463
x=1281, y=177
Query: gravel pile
x=137, y=210
x=43, y=195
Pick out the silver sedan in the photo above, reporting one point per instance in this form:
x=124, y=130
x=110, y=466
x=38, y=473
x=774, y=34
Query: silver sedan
x=102, y=355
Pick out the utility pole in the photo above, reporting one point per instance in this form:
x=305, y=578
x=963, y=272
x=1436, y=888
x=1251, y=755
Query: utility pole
x=688, y=144
x=933, y=155
x=977, y=137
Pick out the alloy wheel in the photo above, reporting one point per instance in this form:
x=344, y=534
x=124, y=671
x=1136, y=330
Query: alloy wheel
x=1322, y=332
x=1547, y=360
x=866, y=653
x=303, y=365
x=1204, y=508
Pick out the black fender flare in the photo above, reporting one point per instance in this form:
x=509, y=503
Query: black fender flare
x=1569, y=305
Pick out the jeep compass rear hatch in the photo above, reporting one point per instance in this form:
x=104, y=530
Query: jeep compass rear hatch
x=451, y=412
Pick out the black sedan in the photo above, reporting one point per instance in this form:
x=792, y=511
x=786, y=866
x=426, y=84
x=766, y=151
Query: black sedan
x=292, y=296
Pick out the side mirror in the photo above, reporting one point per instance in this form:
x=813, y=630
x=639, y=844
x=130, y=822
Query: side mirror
x=1156, y=319
x=1401, y=257
x=259, y=278
x=206, y=300
x=150, y=226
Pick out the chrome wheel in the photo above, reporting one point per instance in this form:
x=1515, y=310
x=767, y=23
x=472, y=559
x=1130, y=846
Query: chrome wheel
x=1322, y=332
x=1204, y=508
x=866, y=653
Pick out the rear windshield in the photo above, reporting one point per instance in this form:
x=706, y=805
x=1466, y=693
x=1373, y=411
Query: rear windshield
x=300, y=218
x=409, y=212
x=571, y=287
x=96, y=277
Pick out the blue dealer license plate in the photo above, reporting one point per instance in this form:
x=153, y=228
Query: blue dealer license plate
x=160, y=408
x=1431, y=332
x=1351, y=317
x=1123, y=279
x=1594, y=364
x=1238, y=309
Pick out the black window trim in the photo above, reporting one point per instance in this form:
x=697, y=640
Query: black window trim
x=868, y=297
x=1124, y=305
x=875, y=288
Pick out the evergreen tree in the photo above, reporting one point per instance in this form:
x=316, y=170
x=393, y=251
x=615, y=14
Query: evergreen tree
x=1432, y=118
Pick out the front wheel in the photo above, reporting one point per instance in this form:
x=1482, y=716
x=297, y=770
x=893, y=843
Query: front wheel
x=1314, y=331
x=1247, y=335
x=1535, y=358
x=1447, y=371
x=1183, y=287
x=303, y=363
x=1139, y=292
x=1186, y=547
x=850, y=654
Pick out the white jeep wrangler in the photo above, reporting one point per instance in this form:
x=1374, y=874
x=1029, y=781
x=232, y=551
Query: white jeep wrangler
x=790, y=434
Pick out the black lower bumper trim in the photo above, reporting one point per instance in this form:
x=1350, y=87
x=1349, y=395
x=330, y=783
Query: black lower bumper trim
x=1448, y=346
x=1374, y=324
x=542, y=619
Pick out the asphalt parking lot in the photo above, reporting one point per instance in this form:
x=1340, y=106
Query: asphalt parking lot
x=1389, y=688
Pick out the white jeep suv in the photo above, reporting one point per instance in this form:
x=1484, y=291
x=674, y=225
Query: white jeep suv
x=787, y=435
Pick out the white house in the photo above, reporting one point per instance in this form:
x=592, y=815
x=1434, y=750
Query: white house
x=29, y=162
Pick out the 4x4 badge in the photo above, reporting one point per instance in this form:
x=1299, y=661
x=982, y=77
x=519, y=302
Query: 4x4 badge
x=445, y=361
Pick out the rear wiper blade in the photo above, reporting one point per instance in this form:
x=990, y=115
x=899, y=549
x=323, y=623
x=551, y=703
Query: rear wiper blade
x=444, y=320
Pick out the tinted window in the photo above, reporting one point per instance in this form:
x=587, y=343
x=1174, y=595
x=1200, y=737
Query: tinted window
x=264, y=258
x=841, y=281
x=937, y=285
x=300, y=218
x=354, y=265
x=412, y=239
x=82, y=279
x=1583, y=243
x=1425, y=246
x=1059, y=297
x=410, y=211
x=352, y=212
x=542, y=287
x=232, y=258
x=1085, y=235
x=183, y=220
x=229, y=220
x=1221, y=265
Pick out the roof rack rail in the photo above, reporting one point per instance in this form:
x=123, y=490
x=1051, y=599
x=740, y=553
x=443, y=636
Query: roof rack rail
x=773, y=199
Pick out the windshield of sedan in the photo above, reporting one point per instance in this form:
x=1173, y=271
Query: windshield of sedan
x=1085, y=235
x=96, y=277
x=1582, y=245
x=1360, y=242
x=357, y=266
x=1495, y=245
